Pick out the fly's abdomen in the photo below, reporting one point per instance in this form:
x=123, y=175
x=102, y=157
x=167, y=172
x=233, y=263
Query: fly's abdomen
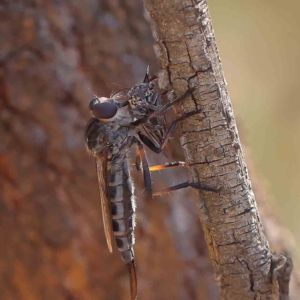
x=122, y=204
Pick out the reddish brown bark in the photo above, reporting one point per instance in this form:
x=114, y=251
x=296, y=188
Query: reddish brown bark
x=53, y=57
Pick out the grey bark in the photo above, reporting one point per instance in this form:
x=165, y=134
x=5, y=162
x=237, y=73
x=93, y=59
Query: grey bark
x=243, y=263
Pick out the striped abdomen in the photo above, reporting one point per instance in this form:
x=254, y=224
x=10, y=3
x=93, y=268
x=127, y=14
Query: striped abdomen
x=120, y=192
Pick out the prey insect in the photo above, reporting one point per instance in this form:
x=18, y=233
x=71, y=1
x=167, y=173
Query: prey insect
x=116, y=126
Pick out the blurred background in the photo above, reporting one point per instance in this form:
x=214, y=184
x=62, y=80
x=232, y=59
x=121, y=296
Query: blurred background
x=259, y=46
x=54, y=55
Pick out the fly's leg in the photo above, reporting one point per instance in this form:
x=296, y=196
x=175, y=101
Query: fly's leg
x=164, y=93
x=147, y=169
x=138, y=161
x=139, y=166
x=199, y=186
x=167, y=165
x=171, y=128
x=166, y=138
x=163, y=109
x=167, y=106
x=143, y=162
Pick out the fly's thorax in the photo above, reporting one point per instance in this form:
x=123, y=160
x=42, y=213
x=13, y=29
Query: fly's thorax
x=143, y=99
x=102, y=137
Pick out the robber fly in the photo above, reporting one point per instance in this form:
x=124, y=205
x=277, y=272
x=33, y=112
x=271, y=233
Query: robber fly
x=115, y=127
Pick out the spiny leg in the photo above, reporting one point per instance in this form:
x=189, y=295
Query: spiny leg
x=167, y=106
x=171, y=128
x=139, y=166
x=199, y=186
x=163, y=109
x=138, y=161
x=164, y=93
x=172, y=164
x=166, y=138
x=147, y=176
x=142, y=161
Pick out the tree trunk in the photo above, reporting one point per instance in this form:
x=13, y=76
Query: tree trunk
x=239, y=250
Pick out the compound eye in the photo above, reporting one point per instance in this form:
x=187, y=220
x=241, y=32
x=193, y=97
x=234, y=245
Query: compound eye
x=103, y=110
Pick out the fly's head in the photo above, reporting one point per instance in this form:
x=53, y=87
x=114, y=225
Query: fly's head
x=103, y=108
x=111, y=111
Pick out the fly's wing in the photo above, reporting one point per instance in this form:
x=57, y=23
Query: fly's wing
x=101, y=162
x=167, y=150
x=156, y=131
x=148, y=130
x=159, y=127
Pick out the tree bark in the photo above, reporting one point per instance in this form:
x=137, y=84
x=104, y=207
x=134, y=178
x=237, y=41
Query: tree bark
x=54, y=56
x=185, y=44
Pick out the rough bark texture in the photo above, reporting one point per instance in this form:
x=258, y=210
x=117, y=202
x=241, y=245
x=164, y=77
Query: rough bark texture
x=186, y=47
x=53, y=56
